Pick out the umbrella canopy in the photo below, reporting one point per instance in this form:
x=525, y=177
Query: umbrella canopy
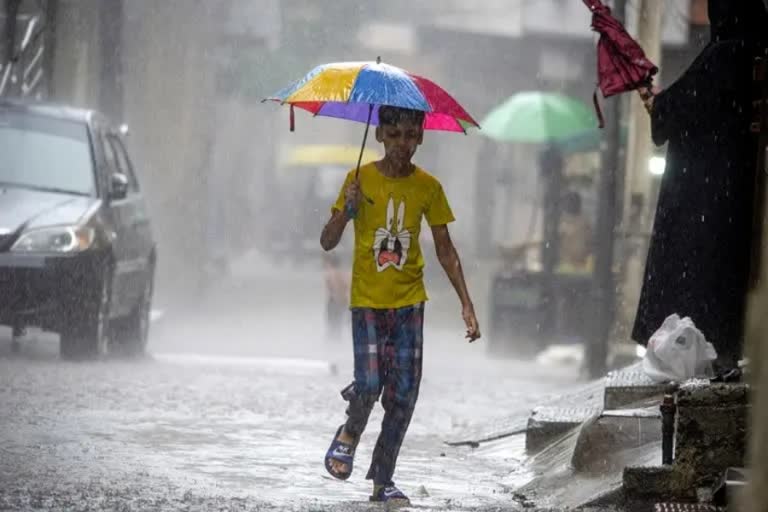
x=538, y=117
x=621, y=63
x=356, y=90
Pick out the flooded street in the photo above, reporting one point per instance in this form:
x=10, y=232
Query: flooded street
x=217, y=419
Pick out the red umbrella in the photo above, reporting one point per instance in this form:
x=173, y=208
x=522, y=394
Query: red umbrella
x=621, y=63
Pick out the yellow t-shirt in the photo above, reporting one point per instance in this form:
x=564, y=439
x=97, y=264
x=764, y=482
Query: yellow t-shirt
x=388, y=265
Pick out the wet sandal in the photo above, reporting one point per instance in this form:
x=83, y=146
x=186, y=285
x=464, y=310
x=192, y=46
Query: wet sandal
x=390, y=494
x=342, y=452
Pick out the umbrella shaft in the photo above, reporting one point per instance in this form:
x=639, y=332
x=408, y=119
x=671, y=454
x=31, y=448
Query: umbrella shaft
x=365, y=139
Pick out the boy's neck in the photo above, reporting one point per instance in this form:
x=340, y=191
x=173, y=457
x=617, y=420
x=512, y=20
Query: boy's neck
x=393, y=170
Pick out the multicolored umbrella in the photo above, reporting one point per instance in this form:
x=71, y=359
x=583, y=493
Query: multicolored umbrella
x=621, y=63
x=356, y=90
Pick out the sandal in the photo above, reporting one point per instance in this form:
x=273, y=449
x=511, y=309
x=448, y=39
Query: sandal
x=340, y=451
x=390, y=494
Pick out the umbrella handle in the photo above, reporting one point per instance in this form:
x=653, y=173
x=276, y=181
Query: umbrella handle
x=598, y=110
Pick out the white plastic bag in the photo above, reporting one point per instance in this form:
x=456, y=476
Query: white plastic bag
x=678, y=351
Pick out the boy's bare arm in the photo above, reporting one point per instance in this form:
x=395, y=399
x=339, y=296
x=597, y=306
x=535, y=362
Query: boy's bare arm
x=333, y=230
x=449, y=260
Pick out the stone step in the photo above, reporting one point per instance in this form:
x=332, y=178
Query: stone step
x=547, y=423
x=711, y=426
x=556, y=417
x=627, y=388
x=630, y=387
x=604, y=443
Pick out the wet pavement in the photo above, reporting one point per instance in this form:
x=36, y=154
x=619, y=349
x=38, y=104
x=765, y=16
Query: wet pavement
x=234, y=409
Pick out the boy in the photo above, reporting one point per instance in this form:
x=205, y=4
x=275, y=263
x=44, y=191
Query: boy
x=388, y=202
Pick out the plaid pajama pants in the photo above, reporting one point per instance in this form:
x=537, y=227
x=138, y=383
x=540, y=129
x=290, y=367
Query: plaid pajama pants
x=388, y=352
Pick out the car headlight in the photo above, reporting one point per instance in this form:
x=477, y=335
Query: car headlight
x=55, y=239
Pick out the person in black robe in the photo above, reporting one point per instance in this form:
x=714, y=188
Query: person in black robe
x=699, y=254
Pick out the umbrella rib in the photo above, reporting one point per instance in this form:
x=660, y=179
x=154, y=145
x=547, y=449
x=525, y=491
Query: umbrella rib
x=460, y=125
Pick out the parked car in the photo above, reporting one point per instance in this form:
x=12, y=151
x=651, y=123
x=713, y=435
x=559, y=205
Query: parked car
x=77, y=254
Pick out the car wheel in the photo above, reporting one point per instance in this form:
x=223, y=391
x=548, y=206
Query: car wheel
x=132, y=332
x=87, y=336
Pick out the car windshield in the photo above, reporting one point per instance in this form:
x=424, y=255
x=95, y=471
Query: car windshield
x=43, y=153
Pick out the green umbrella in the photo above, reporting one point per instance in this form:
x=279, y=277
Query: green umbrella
x=539, y=117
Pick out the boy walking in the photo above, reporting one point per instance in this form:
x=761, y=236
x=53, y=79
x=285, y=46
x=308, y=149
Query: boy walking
x=388, y=202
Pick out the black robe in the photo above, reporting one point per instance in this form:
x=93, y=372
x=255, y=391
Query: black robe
x=699, y=255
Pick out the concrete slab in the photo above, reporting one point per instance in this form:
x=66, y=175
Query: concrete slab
x=548, y=423
x=629, y=389
x=656, y=484
x=702, y=393
x=630, y=386
x=711, y=429
x=608, y=442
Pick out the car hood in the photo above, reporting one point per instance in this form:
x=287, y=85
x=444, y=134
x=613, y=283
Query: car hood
x=33, y=209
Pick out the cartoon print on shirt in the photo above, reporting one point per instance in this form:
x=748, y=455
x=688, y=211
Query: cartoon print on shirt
x=391, y=243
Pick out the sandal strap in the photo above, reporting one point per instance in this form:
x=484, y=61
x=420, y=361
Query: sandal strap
x=341, y=452
x=389, y=492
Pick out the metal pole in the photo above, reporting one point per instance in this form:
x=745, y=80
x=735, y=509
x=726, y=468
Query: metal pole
x=551, y=162
x=50, y=39
x=9, y=57
x=11, y=13
x=668, y=411
x=596, y=350
x=640, y=146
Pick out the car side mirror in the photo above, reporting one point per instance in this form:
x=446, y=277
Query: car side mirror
x=118, y=186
